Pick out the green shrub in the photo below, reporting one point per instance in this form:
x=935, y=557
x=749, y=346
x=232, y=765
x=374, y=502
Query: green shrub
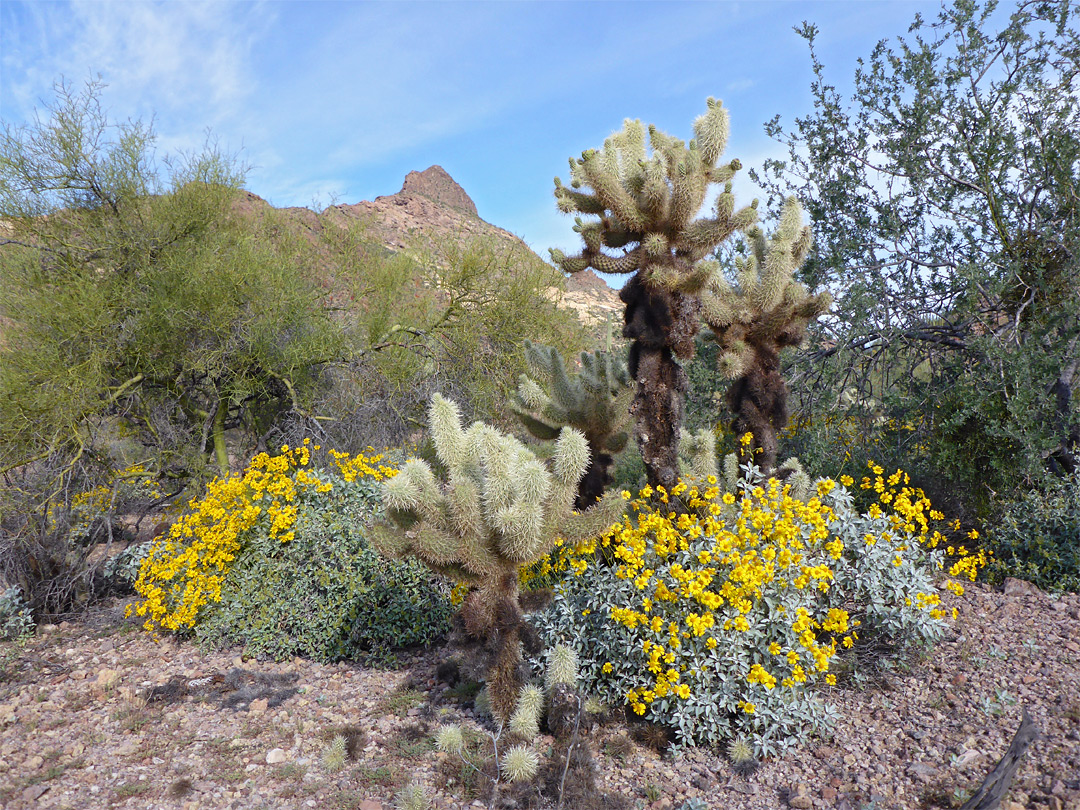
x=1038, y=537
x=716, y=622
x=278, y=560
x=15, y=619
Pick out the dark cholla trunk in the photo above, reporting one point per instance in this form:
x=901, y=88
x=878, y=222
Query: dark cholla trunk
x=492, y=617
x=596, y=480
x=759, y=401
x=662, y=325
x=658, y=414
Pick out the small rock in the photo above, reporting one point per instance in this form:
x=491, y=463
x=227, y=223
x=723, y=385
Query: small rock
x=370, y=804
x=1058, y=788
x=34, y=792
x=801, y=802
x=966, y=758
x=258, y=706
x=107, y=678
x=1019, y=587
x=923, y=771
x=829, y=794
x=276, y=755
x=1054, y=803
x=34, y=763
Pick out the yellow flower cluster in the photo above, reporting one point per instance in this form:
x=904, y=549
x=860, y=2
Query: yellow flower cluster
x=755, y=569
x=910, y=512
x=133, y=481
x=766, y=540
x=185, y=569
x=362, y=466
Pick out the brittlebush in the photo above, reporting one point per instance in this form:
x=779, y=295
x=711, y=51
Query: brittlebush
x=184, y=571
x=716, y=620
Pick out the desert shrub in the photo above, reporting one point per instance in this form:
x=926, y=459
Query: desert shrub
x=1038, y=537
x=718, y=620
x=277, y=559
x=15, y=619
x=54, y=518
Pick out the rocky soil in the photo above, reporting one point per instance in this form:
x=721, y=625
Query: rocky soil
x=95, y=714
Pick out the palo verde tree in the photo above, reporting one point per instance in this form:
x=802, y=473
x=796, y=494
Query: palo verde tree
x=945, y=194
x=140, y=317
x=766, y=310
x=641, y=210
x=498, y=509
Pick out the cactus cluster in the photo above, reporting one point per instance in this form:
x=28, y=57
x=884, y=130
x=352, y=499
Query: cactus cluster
x=594, y=400
x=641, y=207
x=765, y=311
x=499, y=507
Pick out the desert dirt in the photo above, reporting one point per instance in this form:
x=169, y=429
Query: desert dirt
x=96, y=714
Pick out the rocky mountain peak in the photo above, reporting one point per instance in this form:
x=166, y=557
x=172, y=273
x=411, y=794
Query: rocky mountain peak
x=436, y=184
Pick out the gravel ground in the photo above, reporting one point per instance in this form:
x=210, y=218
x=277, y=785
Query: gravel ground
x=95, y=714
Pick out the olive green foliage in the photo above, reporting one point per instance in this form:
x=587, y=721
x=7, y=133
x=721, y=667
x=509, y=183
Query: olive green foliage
x=136, y=293
x=15, y=619
x=1037, y=536
x=943, y=195
x=643, y=206
x=140, y=319
x=595, y=400
x=326, y=594
x=449, y=317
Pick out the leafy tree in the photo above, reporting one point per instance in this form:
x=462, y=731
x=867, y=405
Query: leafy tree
x=136, y=293
x=447, y=318
x=142, y=317
x=944, y=197
x=642, y=207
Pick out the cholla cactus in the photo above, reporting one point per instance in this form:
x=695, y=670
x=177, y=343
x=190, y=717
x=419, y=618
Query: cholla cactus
x=525, y=721
x=499, y=508
x=562, y=667
x=742, y=756
x=643, y=207
x=595, y=401
x=520, y=764
x=449, y=739
x=764, y=312
x=698, y=453
x=334, y=754
x=412, y=797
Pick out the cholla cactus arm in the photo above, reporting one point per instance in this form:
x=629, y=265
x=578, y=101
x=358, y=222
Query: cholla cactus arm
x=753, y=321
x=699, y=451
x=594, y=401
x=639, y=219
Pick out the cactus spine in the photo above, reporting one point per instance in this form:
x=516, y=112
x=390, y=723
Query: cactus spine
x=640, y=208
x=595, y=401
x=500, y=507
x=753, y=320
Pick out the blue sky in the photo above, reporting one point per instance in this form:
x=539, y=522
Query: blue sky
x=337, y=101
